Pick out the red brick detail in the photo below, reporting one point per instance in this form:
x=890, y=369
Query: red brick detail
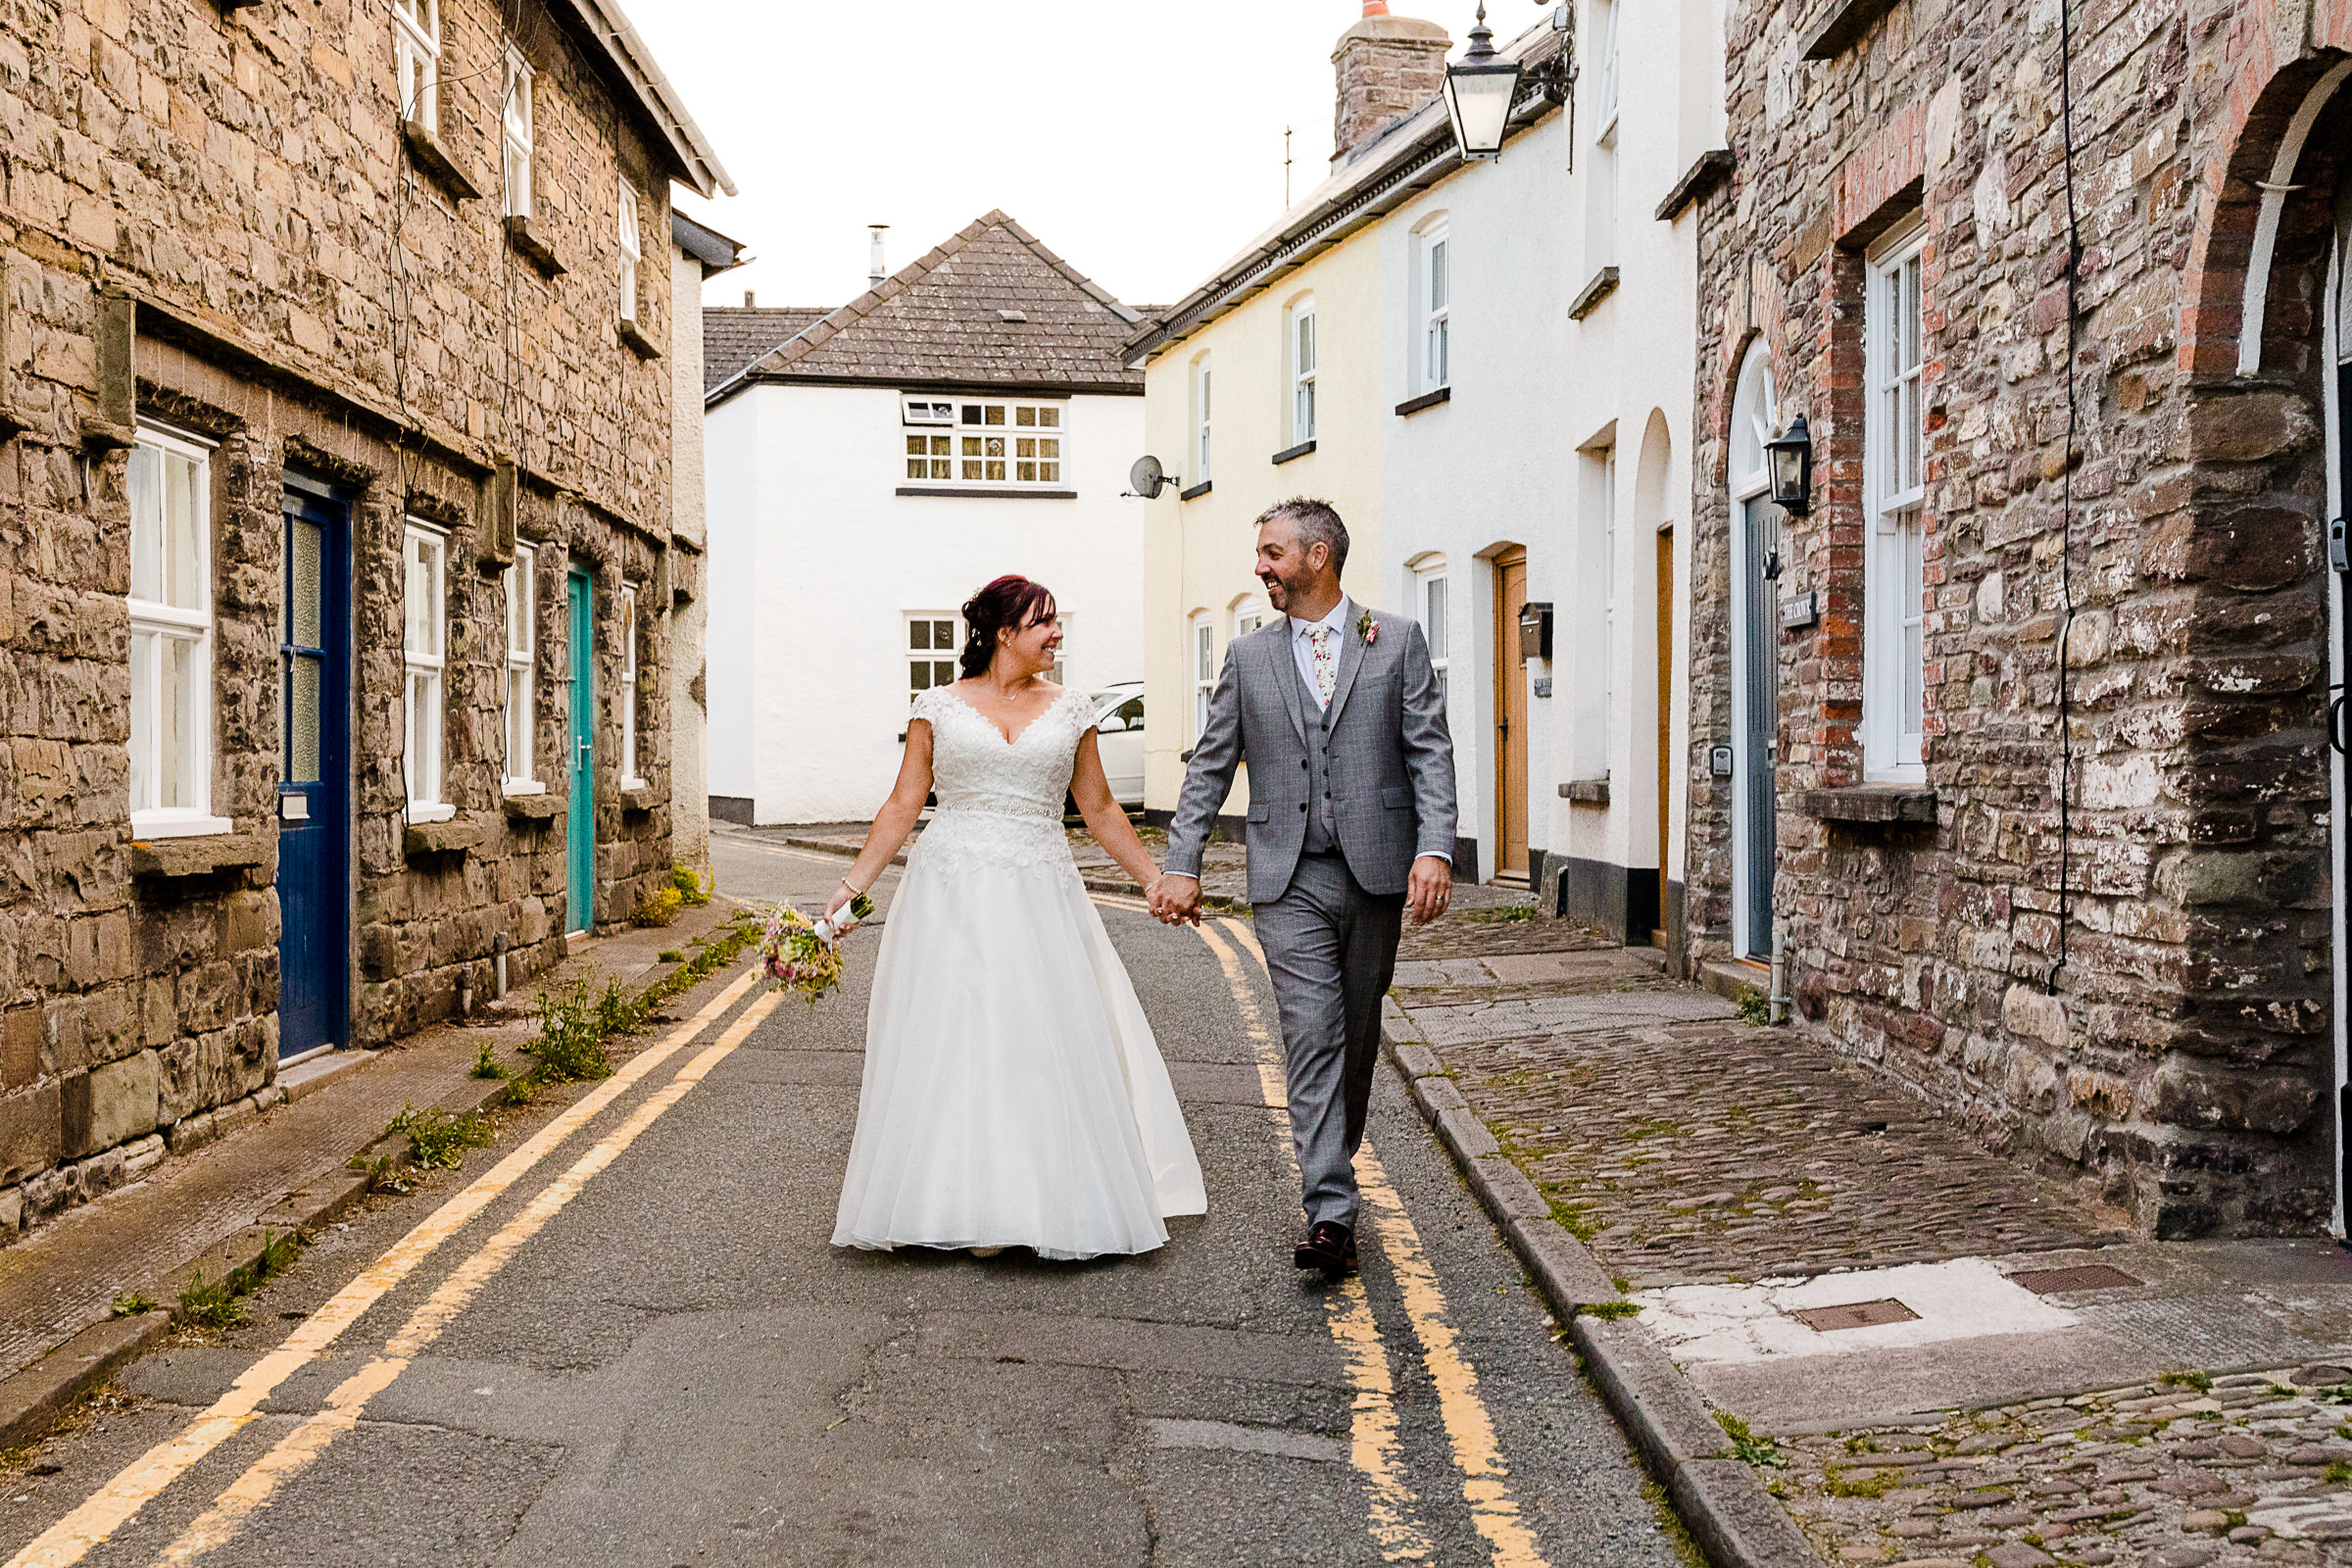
x=1879, y=169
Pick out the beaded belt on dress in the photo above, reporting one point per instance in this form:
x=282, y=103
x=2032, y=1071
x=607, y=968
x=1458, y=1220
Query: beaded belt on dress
x=1003, y=806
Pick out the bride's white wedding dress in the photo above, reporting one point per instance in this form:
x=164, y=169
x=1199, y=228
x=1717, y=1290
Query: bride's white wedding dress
x=1013, y=1096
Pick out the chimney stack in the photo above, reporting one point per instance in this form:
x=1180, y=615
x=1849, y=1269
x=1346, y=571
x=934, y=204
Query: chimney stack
x=874, y=275
x=1386, y=65
x=746, y=299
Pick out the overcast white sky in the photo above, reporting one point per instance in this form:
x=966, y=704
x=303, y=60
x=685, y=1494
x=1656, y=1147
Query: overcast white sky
x=1140, y=140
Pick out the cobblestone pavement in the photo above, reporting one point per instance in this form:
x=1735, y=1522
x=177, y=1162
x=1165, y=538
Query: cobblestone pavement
x=2183, y=1473
x=1685, y=1146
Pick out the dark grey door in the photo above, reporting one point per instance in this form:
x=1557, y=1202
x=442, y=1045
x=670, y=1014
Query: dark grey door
x=1759, y=747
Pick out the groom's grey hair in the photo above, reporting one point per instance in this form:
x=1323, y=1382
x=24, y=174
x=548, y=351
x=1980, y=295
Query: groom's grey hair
x=1312, y=523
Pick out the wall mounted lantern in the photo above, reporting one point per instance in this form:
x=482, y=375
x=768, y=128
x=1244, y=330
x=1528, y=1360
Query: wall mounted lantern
x=1789, y=458
x=1479, y=91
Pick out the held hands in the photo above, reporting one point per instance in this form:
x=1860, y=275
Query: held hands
x=1428, y=889
x=1175, y=900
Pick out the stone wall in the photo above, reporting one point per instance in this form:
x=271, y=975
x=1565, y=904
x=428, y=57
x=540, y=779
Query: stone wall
x=2173, y=1050
x=212, y=219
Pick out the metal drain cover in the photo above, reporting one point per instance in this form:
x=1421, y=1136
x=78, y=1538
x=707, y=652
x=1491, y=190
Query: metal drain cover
x=2081, y=1277
x=1857, y=1315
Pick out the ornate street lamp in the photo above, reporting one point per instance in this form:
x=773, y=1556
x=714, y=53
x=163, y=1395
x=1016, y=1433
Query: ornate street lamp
x=1479, y=91
x=1789, y=458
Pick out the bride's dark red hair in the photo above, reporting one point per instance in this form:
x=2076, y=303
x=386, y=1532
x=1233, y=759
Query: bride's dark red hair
x=1008, y=603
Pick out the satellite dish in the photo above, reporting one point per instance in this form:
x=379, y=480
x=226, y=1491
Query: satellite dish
x=1147, y=477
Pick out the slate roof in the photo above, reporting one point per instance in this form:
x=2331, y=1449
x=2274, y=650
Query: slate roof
x=939, y=322
x=734, y=335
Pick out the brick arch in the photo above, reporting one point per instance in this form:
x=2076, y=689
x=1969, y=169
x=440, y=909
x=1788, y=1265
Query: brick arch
x=2265, y=94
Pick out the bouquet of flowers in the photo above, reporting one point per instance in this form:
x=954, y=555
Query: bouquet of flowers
x=803, y=955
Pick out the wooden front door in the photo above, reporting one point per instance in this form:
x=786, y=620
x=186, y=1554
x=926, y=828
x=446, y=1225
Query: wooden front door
x=1510, y=719
x=1665, y=581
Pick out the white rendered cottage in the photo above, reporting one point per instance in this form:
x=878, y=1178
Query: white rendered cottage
x=869, y=468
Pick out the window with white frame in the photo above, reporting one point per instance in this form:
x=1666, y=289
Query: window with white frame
x=1201, y=421
x=1248, y=616
x=1600, y=192
x=1302, y=372
x=1434, y=288
x=1608, y=584
x=1204, y=656
x=416, y=60
x=632, y=772
x=1060, y=674
x=171, y=608
x=1434, y=593
x=632, y=252
x=1894, y=584
x=515, y=134
x=932, y=642
x=424, y=619
x=522, y=665
x=983, y=442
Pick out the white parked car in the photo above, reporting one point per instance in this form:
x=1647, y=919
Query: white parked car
x=1119, y=735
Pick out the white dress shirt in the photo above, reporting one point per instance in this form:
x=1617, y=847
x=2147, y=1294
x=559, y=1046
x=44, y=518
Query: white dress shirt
x=1303, y=647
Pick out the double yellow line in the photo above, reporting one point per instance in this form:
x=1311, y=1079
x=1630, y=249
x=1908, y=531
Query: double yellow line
x=73, y=1537
x=1395, y=1523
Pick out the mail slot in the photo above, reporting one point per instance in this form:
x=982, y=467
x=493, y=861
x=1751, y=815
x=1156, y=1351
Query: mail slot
x=1535, y=630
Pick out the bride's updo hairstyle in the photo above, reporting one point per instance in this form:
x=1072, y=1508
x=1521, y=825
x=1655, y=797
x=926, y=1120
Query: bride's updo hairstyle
x=1007, y=605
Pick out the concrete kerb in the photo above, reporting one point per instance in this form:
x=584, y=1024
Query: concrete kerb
x=34, y=1398
x=1730, y=1515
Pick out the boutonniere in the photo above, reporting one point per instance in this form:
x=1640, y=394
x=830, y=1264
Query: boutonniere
x=1367, y=628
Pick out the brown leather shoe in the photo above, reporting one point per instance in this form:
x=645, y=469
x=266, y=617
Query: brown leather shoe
x=1329, y=1247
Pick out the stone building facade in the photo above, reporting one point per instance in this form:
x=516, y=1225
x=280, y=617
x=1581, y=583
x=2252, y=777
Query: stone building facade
x=335, y=416
x=2043, y=812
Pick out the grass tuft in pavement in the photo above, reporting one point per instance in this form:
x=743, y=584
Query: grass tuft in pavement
x=437, y=1139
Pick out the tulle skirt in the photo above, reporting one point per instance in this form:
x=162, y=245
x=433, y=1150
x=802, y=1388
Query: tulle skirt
x=1014, y=1095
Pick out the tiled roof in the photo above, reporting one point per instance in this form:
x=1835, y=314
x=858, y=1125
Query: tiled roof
x=942, y=321
x=734, y=335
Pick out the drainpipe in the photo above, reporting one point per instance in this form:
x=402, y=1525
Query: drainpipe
x=1780, y=973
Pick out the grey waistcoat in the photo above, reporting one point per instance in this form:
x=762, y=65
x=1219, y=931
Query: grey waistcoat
x=1322, y=827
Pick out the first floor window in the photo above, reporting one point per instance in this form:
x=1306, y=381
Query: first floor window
x=1204, y=672
x=515, y=135
x=523, y=661
x=1436, y=610
x=633, y=775
x=1302, y=373
x=416, y=60
x=996, y=443
x=931, y=648
x=632, y=252
x=1895, y=569
x=1437, y=310
x=170, y=636
x=1201, y=421
x=424, y=618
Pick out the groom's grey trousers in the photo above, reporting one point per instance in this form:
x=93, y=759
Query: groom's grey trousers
x=1331, y=948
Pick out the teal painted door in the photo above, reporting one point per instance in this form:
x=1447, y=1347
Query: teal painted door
x=580, y=826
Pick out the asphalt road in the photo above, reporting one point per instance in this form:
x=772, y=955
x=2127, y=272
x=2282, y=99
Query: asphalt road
x=640, y=1350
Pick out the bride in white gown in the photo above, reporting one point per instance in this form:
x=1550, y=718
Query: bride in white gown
x=1014, y=1095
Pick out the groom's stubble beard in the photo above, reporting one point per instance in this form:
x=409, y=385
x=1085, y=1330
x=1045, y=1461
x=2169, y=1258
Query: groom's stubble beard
x=1282, y=589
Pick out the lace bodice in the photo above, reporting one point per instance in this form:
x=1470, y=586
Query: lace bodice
x=1000, y=802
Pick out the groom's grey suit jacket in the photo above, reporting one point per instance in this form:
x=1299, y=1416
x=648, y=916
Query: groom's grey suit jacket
x=1388, y=757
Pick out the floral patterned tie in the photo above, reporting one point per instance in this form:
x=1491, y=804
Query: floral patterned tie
x=1327, y=664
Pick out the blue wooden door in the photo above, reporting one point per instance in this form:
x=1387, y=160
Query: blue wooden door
x=580, y=761
x=314, y=792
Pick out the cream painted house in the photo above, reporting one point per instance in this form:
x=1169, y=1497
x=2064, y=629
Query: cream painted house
x=1240, y=435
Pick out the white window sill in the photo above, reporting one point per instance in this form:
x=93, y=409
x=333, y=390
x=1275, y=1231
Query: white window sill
x=430, y=812
x=523, y=786
x=628, y=783
x=1916, y=773
x=177, y=825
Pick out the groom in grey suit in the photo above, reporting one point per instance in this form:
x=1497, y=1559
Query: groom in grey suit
x=1338, y=711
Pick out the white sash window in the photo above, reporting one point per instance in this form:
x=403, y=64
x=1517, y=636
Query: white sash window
x=515, y=135
x=632, y=252
x=632, y=774
x=170, y=607
x=522, y=664
x=416, y=60
x=1894, y=586
x=424, y=551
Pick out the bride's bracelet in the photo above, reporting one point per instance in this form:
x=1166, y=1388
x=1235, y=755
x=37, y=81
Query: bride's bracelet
x=854, y=893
